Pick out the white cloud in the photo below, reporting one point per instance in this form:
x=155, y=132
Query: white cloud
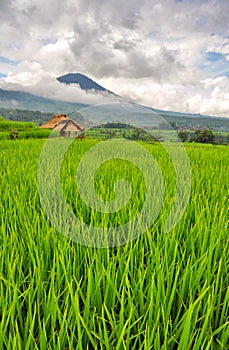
x=49, y=87
x=152, y=51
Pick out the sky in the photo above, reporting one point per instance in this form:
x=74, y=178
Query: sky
x=170, y=54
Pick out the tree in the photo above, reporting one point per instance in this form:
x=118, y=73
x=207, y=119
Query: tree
x=183, y=135
x=173, y=125
x=204, y=136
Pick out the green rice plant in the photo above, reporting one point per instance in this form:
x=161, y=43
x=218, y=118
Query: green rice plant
x=159, y=291
x=4, y=135
x=7, y=125
x=34, y=133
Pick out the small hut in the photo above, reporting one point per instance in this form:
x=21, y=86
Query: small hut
x=65, y=125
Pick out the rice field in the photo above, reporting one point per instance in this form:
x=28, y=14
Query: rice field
x=159, y=291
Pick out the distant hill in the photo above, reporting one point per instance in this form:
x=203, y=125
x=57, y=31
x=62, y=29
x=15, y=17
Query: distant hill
x=83, y=81
x=24, y=100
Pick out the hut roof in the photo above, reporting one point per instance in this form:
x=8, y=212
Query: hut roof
x=54, y=121
x=68, y=124
x=62, y=122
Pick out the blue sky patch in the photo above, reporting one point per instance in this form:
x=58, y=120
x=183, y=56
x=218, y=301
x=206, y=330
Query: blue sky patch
x=6, y=60
x=226, y=74
x=215, y=63
x=49, y=41
x=214, y=56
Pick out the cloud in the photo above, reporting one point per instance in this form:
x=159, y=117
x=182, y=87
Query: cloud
x=49, y=87
x=156, y=52
x=209, y=97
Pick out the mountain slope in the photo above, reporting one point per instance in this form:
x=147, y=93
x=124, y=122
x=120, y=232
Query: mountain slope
x=84, y=82
x=24, y=100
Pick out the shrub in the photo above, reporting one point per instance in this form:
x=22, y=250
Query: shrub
x=204, y=136
x=183, y=135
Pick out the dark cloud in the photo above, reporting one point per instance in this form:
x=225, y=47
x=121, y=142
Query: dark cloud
x=124, y=45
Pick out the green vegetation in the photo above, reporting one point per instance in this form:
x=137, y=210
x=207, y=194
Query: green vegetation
x=37, y=133
x=204, y=136
x=6, y=125
x=161, y=291
x=36, y=117
x=132, y=133
x=20, y=130
x=112, y=130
